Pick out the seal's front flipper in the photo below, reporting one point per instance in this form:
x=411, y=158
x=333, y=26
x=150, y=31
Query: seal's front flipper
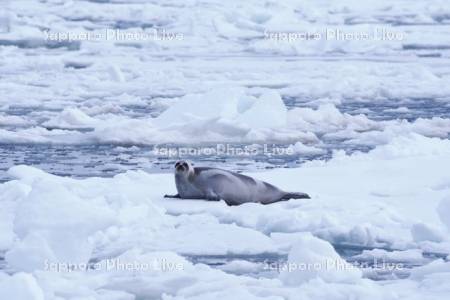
x=172, y=196
x=288, y=196
x=211, y=196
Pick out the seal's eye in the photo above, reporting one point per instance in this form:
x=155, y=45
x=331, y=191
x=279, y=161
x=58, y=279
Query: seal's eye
x=177, y=164
x=185, y=165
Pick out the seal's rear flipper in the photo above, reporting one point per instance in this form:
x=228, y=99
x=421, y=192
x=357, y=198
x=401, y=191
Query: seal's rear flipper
x=288, y=196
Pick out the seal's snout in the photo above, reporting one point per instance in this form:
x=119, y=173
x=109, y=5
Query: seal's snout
x=181, y=166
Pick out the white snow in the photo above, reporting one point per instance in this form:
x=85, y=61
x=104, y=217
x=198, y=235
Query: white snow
x=227, y=80
x=57, y=221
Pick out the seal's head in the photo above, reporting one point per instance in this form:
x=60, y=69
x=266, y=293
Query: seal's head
x=183, y=168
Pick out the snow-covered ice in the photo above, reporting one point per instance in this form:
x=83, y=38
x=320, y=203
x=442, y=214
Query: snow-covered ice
x=55, y=221
x=362, y=125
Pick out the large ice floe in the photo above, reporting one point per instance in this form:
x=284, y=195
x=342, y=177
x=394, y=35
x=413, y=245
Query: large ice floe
x=378, y=223
x=118, y=238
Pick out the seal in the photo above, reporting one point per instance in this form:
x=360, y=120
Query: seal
x=216, y=184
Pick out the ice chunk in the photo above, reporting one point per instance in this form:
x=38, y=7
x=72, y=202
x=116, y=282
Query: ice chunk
x=55, y=221
x=116, y=73
x=20, y=286
x=31, y=253
x=10, y=192
x=312, y=258
x=216, y=104
x=71, y=118
x=268, y=111
x=149, y=274
x=301, y=148
x=7, y=120
x=410, y=255
x=424, y=232
x=241, y=267
x=436, y=266
x=443, y=211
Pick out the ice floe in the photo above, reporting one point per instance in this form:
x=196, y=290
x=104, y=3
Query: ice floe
x=63, y=223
